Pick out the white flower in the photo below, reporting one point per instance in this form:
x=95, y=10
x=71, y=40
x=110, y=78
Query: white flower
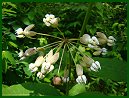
x=50, y=20
x=95, y=66
x=95, y=41
x=39, y=61
x=99, y=51
x=81, y=79
x=85, y=39
x=26, y=32
x=111, y=41
x=40, y=75
x=19, y=31
x=46, y=67
x=32, y=67
x=20, y=36
x=111, y=38
x=92, y=46
x=104, y=51
x=21, y=53
x=52, y=58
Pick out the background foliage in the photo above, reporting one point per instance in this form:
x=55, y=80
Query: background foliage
x=109, y=18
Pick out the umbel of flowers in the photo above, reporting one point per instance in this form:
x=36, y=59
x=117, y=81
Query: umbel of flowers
x=45, y=63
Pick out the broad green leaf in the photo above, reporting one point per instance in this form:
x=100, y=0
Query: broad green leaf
x=112, y=68
x=30, y=89
x=91, y=93
x=8, y=55
x=77, y=89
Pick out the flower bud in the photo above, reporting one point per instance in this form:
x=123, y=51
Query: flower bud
x=79, y=70
x=30, y=51
x=57, y=80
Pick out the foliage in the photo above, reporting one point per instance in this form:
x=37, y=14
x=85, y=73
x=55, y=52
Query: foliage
x=109, y=18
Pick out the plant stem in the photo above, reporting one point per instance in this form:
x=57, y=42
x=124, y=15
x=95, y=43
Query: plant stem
x=86, y=19
x=61, y=59
x=79, y=50
x=72, y=39
x=60, y=32
x=60, y=45
x=71, y=54
x=49, y=35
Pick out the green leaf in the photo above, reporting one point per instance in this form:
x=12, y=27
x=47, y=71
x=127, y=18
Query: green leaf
x=30, y=89
x=12, y=36
x=13, y=44
x=8, y=56
x=27, y=71
x=112, y=68
x=26, y=21
x=31, y=15
x=77, y=89
x=114, y=25
x=91, y=93
x=82, y=49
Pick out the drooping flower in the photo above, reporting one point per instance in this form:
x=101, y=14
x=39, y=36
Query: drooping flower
x=81, y=78
x=50, y=20
x=28, y=52
x=65, y=78
x=111, y=41
x=95, y=41
x=103, y=39
x=95, y=66
x=99, y=51
x=90, y=64
x=26, y=32
x=85, y=39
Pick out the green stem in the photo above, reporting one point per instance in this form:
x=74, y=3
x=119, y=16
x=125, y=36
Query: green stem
x=71, y=54
x=49, y=35
x=61, y=59
x=86, y=19
x=60, y=32
x=60, y=45
x=79, y=50
x=48, y=45
x=72, y=39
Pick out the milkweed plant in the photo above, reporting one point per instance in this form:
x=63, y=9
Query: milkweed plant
x=44, y=64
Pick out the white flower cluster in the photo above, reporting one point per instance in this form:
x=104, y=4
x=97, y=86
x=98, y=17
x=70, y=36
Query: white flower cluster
x=26, y=32
x=88, y=63
x=46, y=64
x=50, y=20
x=95, y=43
